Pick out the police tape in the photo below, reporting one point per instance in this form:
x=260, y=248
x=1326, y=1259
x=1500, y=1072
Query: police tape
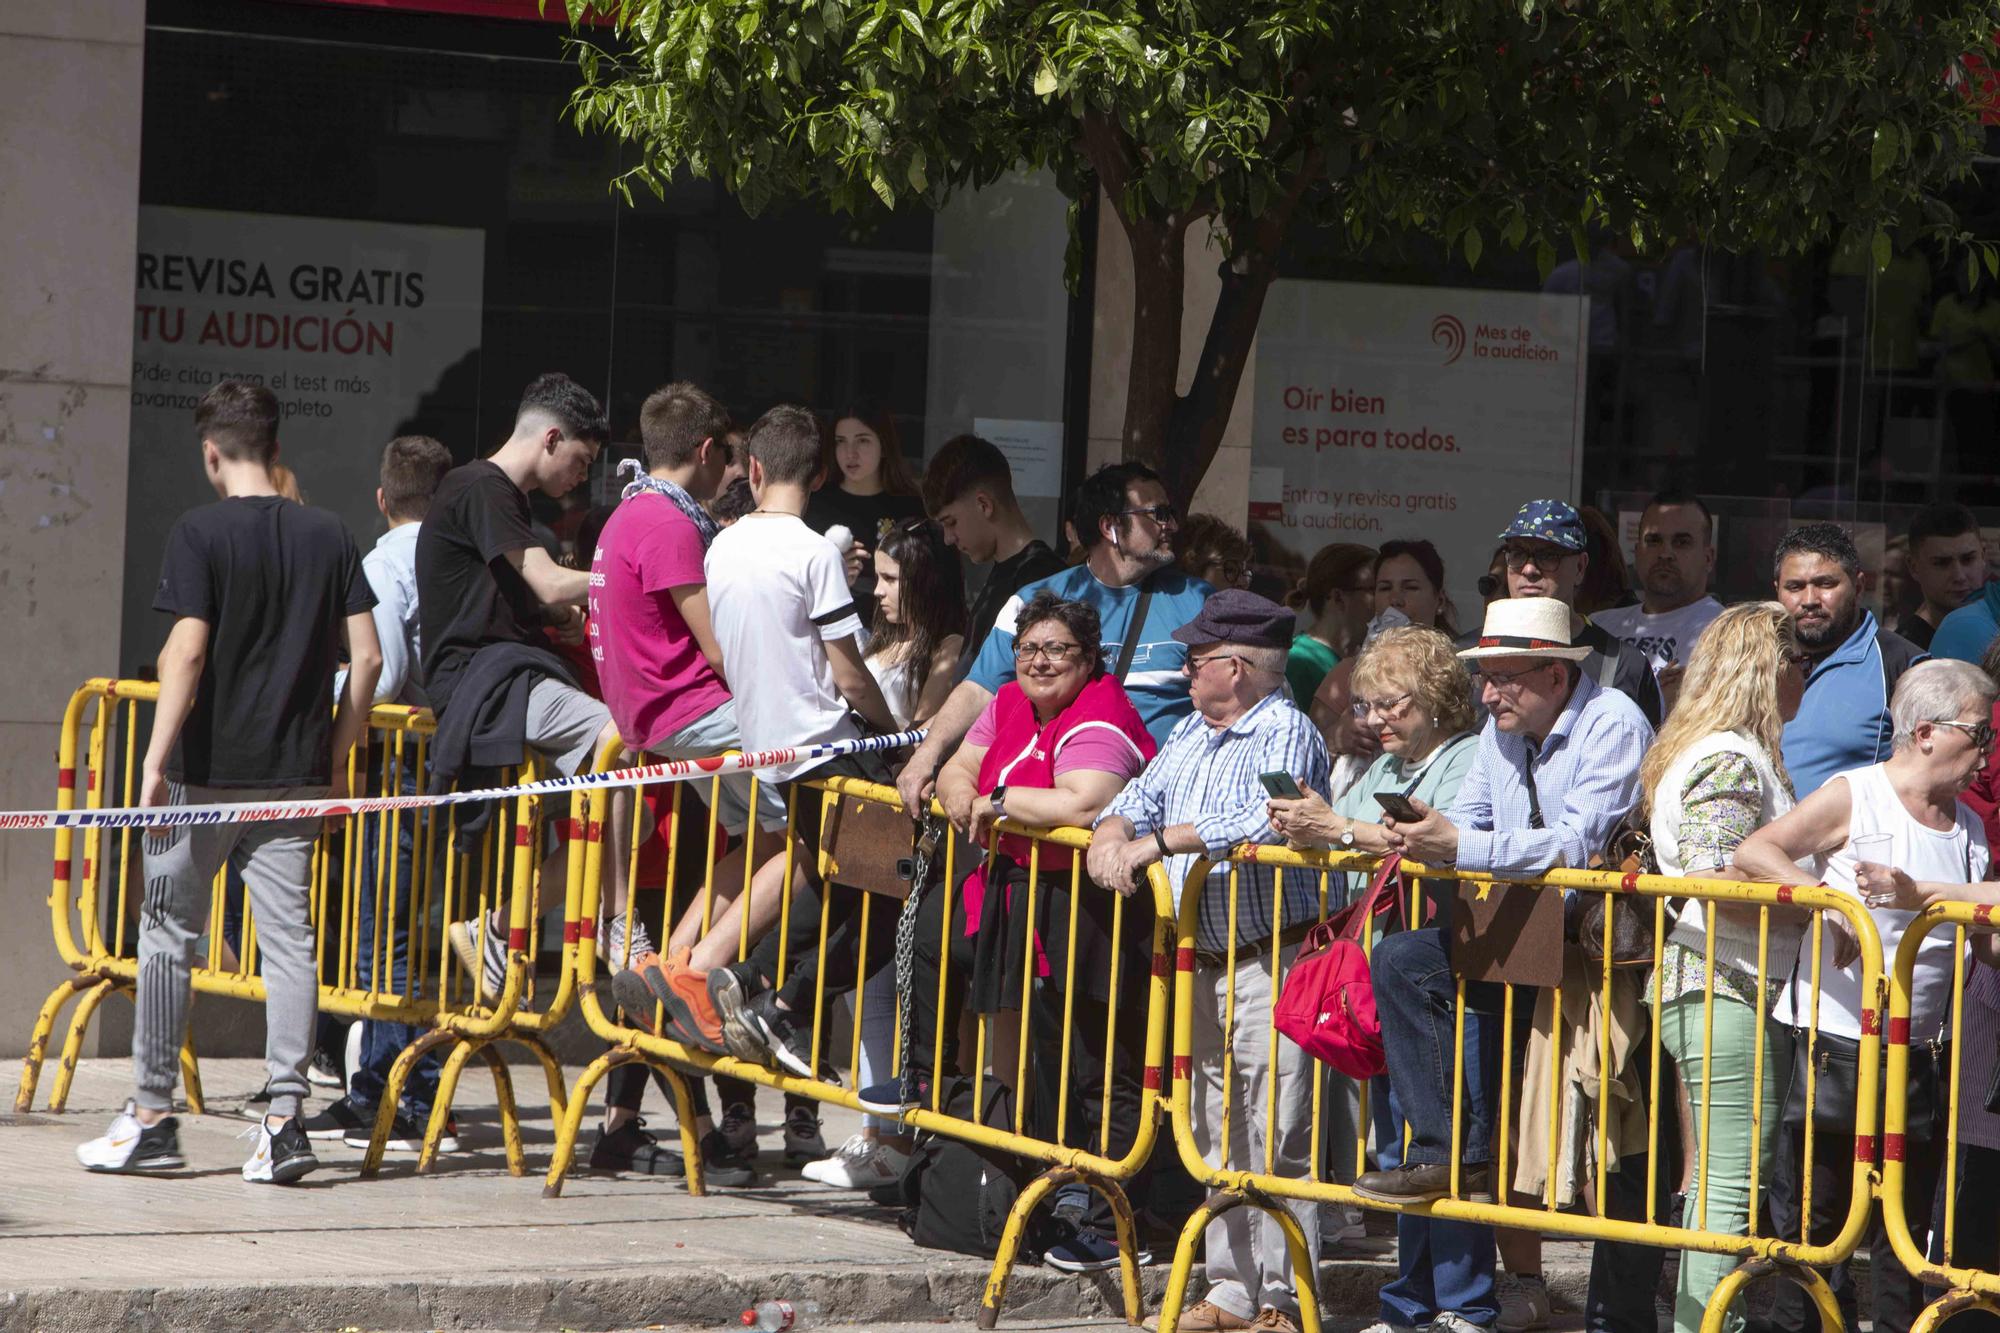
x=669, y=770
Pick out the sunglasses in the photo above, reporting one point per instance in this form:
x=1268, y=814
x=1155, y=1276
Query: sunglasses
x=1160, y=514
x=1981, y=733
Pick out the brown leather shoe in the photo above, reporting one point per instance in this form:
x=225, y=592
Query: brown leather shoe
x=1421, y=1183
x=1208, y=1317
x=1275, y=1321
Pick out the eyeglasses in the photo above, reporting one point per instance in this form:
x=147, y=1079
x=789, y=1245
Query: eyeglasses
x=1388, y=708
x=1192, y=664
x=1539, y=556
x=1506, y=680
x=1231, y=569
x=1981, y=733
x=1056, y=653
x=1160, y=514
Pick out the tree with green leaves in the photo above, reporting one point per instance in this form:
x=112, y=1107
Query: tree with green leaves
x=1536, y=124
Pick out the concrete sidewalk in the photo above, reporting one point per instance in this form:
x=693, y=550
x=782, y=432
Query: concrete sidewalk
x=472, y=1247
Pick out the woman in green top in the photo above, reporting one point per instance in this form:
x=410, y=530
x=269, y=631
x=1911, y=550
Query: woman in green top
x=1334, y=601
x=1412, y=694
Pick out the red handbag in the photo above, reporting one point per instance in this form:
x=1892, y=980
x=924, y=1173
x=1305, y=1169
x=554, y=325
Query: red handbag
x=1327, y=1003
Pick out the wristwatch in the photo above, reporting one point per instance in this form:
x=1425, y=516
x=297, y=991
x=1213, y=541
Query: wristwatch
x=1346, y=838
x=1160, y=837
x=999, y=799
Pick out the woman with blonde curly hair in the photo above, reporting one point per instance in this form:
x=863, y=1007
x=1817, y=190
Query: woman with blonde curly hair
x=1714, y=776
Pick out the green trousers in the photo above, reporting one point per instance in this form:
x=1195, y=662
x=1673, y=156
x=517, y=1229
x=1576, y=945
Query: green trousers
x=1718, y=1198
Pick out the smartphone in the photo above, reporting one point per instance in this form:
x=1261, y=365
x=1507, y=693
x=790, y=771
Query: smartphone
x=1397, y=806
x=1281, y=786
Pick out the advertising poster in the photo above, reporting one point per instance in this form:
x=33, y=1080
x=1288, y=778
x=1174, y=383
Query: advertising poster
x=355, y=327
x=1433, y=412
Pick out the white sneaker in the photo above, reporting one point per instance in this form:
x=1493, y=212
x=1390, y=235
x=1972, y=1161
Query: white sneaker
x=1339, y=1225
x=1450, y=1321
x=614, y=951
x=860, y=1164
x=1384, y=1326
x=129, y=1147
x=281, y=1157
x=1524, y=1303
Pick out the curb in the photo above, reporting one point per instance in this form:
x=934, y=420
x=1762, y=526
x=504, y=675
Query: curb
x=635, y=1297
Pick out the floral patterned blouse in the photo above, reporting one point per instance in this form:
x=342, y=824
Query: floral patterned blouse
x=1720, y=805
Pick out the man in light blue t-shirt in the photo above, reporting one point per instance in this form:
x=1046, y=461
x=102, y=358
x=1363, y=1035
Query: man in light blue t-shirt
x=1126, y=525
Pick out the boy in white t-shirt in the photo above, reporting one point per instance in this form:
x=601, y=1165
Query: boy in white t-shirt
x=790, y=639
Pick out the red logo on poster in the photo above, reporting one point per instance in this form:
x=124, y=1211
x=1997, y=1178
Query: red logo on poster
x=1450, y=334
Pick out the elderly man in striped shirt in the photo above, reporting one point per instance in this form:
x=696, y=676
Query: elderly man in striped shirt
x=1199, y=797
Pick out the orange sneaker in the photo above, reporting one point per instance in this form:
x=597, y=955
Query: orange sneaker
x=691, y=1016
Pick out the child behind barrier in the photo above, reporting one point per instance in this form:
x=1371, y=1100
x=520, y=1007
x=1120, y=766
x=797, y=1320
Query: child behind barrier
x=264, y=593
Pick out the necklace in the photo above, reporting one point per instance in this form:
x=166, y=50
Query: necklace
x=777, y=513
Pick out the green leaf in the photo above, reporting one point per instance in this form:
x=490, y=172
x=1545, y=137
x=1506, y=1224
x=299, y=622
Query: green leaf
x=1045, y=80
x=1888, y=144
x=918, y=181
x=1473, y=247
x=1882, y=250
x=883, y=190
x=746, y=26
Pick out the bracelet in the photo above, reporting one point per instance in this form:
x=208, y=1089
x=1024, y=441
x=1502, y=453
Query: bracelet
x=1160, y=837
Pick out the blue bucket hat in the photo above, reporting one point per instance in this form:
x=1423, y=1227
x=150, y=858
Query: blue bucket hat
x=1549, y=521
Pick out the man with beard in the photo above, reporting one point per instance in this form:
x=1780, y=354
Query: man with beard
x=1675, y=559
x=1854, y=664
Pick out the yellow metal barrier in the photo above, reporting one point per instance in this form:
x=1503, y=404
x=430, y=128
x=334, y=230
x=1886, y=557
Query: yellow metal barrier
x=634, y=1041
x=1243, y=1184
x=1967, y=1286
x=93, y=912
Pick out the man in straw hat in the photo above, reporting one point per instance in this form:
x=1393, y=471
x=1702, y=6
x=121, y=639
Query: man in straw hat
x=1557, y=769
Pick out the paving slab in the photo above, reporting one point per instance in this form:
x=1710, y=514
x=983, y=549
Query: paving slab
x=471, y=1247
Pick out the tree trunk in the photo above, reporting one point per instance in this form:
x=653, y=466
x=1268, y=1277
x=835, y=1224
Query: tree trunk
x=1197, y=421
x=1159, y=280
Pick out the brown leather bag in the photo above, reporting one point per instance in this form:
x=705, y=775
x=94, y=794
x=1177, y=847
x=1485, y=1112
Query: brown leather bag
x=868, y=846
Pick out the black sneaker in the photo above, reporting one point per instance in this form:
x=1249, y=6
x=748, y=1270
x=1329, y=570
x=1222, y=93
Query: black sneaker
x=406, y=1133
x=632, y=1147
x=1088, y=1251
x=788, y=1044
x=129, y=1147
x=338, y=1120
x=739, y=1130
x=723, y=1165
x=283, y=1155
x=729, y=990
x=803, y=1142
x=886, y=1098
x=325, y=1070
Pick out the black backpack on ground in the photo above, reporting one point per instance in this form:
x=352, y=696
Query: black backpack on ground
x=957, y=1195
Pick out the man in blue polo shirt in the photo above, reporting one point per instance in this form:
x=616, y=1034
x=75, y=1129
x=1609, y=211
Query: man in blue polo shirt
x=1126, y=525
x=1843, y=721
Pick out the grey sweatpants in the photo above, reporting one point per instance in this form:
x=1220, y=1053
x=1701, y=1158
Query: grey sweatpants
x=275, y=861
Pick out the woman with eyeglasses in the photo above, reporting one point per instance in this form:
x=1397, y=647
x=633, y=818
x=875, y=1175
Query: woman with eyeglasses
x=867, y=489
x=1872, y=827
x=1334, y=601
x=1213, y=552
x=1716, y=775
x=1052, y=749
x=1413, y=697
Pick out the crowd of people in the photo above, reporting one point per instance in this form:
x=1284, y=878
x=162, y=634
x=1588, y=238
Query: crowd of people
x=1141, y=689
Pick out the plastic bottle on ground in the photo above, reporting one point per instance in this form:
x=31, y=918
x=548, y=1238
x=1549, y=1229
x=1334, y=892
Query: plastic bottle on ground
x=776, y=1316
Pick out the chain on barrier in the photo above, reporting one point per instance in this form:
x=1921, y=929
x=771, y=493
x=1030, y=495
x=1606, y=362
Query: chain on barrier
x=1969, y=1282
x=1536, y=1143
x=1090, y=1115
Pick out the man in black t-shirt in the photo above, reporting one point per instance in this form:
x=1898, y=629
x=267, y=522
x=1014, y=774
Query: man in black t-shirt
x=486, y=591
x=969, y=491
x=264, y=592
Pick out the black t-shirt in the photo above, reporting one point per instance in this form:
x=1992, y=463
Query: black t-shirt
x=274, y=580
x=468, y=595
x=1917, y=630
x=1007, y=577
x=869, y=518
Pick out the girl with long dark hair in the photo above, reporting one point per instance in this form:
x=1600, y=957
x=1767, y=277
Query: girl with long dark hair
x=867, y=488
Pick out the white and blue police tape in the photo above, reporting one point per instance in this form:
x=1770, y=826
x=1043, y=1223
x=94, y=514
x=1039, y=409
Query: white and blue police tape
x=670, y=770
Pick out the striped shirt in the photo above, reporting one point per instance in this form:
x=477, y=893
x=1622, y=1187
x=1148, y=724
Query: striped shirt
x=1207, y=776
x=1585, y=775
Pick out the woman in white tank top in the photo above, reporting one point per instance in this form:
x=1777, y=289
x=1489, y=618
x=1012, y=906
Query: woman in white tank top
x=1910, y=805
x=918, y=629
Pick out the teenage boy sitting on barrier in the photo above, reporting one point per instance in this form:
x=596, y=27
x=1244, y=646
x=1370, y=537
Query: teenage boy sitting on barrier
x=653, y=640
x=1200, y=797
x=412, y=467
x=264, y=593
x=790, y=639
x=486, y=590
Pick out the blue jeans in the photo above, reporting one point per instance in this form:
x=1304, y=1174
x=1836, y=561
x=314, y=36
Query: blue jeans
x=1441, y=1265
x=1416, y=996
x=383, y=1041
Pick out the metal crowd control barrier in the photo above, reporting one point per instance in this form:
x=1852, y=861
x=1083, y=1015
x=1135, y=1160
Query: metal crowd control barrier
x=1967, y=1285
x=94, y=913
x=633, y=1037
x=1244, y=1184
